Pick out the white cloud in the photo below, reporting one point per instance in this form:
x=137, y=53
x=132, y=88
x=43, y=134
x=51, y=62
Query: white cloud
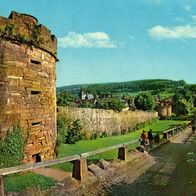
x=178, y=32
x=187, y=8
x=88, y=40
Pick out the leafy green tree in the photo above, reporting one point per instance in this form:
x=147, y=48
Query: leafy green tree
x=111, y=103
x=115, y=104
x=102, y=104
x=180, y=105
x=144, y=102
x=64, y=98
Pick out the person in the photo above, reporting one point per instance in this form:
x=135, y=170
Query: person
x=150, y=138
x=144, y=140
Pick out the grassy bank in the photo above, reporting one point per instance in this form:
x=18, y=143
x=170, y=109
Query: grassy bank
x=18, y=182
x=90, y=145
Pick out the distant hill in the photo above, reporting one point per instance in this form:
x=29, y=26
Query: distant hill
x=125, y=87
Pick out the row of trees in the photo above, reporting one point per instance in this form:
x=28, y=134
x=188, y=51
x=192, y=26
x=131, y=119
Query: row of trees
x=142, y=101
x=134, y=86
x=126, y=87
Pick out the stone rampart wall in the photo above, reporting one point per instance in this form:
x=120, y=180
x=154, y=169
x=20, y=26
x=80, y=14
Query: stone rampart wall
x=100, y=120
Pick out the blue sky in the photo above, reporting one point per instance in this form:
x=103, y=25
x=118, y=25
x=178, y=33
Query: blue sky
x=117, y=40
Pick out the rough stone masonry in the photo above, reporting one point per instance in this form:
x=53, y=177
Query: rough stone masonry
x=27, y=83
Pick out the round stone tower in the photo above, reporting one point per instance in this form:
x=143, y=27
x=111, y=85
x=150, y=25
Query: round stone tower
x=27, y=84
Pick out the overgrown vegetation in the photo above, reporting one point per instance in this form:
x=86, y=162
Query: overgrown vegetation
x=74, y=133
x=9, y=32
x=68, y=131
x=12, y=148
x=62, y=126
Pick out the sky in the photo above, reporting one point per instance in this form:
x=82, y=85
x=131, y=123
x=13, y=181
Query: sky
x=117, y=40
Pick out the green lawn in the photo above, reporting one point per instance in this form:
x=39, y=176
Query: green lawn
x=18, y=182
x=90, y=145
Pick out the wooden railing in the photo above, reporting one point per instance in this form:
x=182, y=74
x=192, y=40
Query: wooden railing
x=173, y=131
x=79, y=161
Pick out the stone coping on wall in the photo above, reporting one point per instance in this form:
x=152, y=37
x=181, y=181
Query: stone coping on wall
x=25, y=29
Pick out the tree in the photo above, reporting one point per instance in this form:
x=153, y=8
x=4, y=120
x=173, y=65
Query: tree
x=64, y=98
x=144, y=102
x=111, y=103
x=86, y=104
x=180, y=105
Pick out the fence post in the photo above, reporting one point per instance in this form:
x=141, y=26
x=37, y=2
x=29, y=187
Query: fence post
x=80, y=169
x=122, y=153
x=1, y=186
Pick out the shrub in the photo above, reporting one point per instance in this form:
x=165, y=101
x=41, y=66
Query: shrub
x=124, y=131
x=104, y=134
x=116, y=133
x=12, y=148
x=74, y=133
x=94, y=136
x=63, y=122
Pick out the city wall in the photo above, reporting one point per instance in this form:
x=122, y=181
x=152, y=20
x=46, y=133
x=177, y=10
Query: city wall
x=109, y=121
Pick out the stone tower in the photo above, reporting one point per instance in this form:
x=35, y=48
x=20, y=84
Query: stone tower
x=27, y=83
x=165, y=108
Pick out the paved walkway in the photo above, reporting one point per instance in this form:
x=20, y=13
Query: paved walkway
x=182, y=136
x=60, y=175
x=172, y=174
x=56, y=174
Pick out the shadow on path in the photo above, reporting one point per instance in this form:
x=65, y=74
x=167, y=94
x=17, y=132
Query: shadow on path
x=173, y=174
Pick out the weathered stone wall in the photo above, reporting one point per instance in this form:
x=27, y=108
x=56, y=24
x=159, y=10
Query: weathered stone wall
x=27, y=85
x=100, y=120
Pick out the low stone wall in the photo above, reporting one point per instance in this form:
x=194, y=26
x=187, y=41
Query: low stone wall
x=109, y=121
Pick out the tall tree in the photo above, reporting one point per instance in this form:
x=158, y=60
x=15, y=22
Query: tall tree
x=144, y=102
